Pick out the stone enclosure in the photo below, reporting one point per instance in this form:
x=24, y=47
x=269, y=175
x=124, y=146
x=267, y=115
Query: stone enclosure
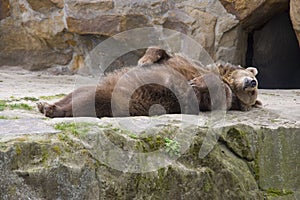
x=240, y=155
x=58, y=33
x=244, y=155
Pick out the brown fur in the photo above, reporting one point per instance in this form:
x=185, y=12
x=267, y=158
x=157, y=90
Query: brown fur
x=157, y=89
x=128, y=92
x=234, y=77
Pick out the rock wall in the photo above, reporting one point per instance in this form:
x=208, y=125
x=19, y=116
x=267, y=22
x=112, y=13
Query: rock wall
x=42, y=34
x=117, y=159
x=295, y=16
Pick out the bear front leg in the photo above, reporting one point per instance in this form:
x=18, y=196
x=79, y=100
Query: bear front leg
x=244, y=107
x=153, y=55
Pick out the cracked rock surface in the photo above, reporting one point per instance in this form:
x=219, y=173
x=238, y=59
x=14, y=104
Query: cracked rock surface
x=237, y=155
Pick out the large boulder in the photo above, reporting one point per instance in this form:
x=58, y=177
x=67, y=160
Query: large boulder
x=167, y=157
x=253, y=14
x=33, y=39
x=295, y=17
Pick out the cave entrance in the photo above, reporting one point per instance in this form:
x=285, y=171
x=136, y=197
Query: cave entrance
x=274, y=50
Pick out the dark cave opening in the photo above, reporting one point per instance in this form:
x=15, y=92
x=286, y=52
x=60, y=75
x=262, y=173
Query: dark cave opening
x=274, y=50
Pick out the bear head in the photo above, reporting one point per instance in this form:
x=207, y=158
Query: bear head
x=242, y=82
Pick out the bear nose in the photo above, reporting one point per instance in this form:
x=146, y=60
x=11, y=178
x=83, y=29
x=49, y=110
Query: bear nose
x=253, y=83
x=250, y=83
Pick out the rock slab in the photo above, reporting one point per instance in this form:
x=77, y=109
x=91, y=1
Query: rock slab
x=240, y=155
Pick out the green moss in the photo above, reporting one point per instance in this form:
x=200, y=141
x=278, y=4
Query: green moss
x=207, y=187
x=237, y=140
x=56, y=149
x=76, y=129
x=67, y=141
x=67, y=129
x=152, y=143
x=3, y=146
x=162, y=140
x=256, y=170
x=21, y=106
x=18, y=150
x=8, y=118
x=172, y=147
x=133, y=136
x=63, y=137
x=12, y=98
x=236, y=132
x=274, y=120
x=105, y=126
x=30, y=99
x=5, y=105
x=57, y=96
x=276, y=192
x=21, y=139
x=45, y=155
x=12, y=190
x=2, y=105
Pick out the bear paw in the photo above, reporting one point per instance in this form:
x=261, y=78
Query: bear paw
x=40, y=106
x=46, y=109
x=258, y=104
x=244, y=107
x=153, y=55
x=145, y=61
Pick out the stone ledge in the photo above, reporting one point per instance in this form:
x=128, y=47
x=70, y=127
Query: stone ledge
x=249, y=155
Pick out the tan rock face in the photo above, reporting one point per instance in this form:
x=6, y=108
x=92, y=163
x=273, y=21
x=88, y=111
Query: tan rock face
x=43, y=6
x=4, y=9
x=221, y=27
x=241, y=8
x=295, y=17
x=203, y=26
x=32, y=40
x=103, y=25
x=254, y=13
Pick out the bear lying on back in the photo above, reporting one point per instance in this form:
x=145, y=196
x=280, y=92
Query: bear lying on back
x=166, y=85
x=241, y=81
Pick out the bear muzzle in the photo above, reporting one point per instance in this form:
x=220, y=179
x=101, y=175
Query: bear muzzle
x=250, y=83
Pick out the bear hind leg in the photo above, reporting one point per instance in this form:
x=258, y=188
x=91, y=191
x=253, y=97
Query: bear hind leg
x=52, y=110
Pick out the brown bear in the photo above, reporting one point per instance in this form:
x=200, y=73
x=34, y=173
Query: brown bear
x=160, y=88
x=241, y=81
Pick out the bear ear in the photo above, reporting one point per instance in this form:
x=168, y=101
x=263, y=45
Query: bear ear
x=253, y=70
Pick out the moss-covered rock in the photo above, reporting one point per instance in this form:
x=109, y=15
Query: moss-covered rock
x=152, y=158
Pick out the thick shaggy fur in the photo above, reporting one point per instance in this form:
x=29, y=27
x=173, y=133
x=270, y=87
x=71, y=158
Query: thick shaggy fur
x=129, y=92
x=162, y=84
x=243, y=96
